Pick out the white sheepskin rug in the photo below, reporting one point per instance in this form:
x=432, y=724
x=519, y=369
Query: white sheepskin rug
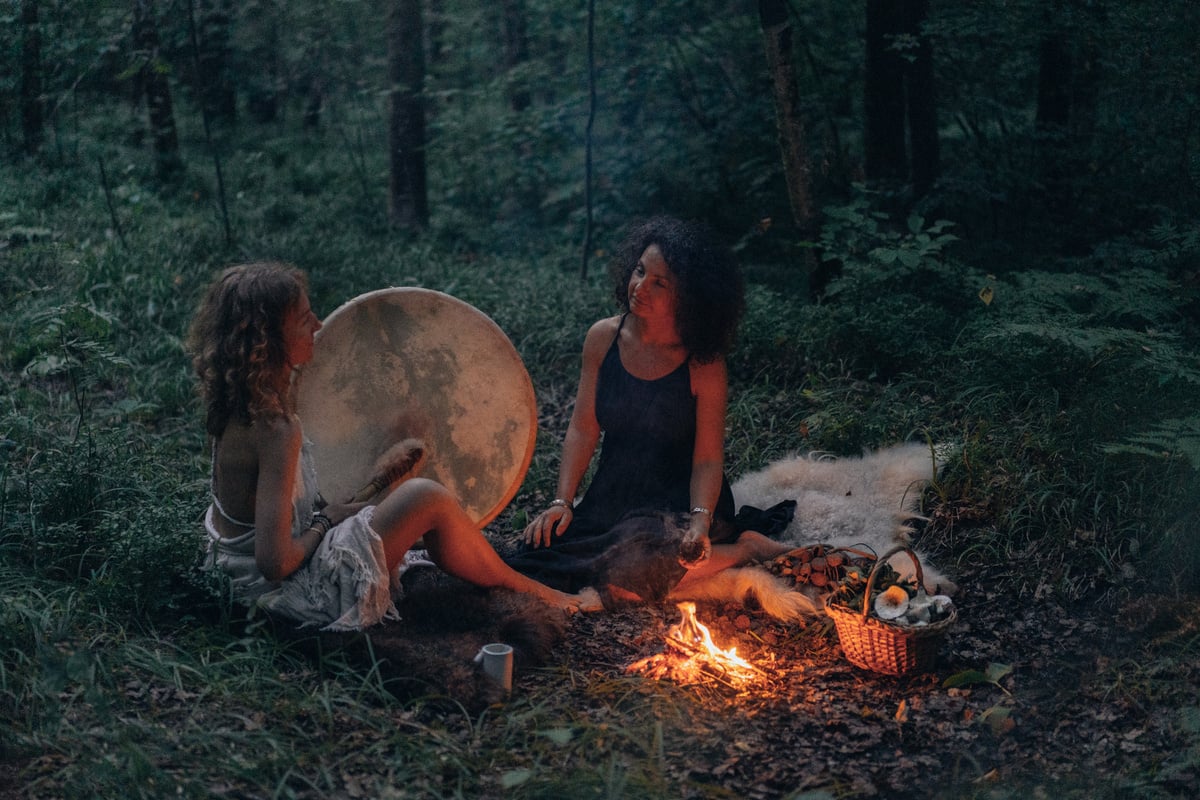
x=862, y=502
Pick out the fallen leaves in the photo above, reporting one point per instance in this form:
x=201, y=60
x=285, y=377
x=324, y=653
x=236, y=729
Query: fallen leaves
x=824, y=723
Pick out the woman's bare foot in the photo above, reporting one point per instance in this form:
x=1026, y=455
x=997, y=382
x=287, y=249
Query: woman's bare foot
x=589, y=601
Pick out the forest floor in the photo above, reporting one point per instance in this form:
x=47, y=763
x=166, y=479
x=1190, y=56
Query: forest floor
x=1097, y=703
x=1026, y=699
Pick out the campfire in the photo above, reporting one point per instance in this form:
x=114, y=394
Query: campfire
x=691, y=657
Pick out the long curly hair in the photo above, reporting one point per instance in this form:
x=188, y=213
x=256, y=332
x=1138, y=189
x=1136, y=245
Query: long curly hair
x=710, y=291
x=237, y=345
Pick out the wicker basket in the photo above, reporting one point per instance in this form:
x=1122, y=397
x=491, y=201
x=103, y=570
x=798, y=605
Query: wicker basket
x=880, y=646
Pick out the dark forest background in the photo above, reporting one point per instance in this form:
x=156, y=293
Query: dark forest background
x=968, y=223
x=1042, y=129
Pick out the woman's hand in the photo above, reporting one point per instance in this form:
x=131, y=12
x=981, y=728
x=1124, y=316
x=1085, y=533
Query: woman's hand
x=551, y=522
x=340, y=512
x=694, y=552
x=695, y=548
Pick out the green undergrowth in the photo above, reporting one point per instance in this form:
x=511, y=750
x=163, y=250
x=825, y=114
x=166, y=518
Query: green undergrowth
x=94, y=706
x=1062, y=391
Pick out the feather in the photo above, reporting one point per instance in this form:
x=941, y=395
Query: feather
x=401, y=460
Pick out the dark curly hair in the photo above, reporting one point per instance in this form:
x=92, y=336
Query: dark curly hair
x=711, y=296
x=237, y=346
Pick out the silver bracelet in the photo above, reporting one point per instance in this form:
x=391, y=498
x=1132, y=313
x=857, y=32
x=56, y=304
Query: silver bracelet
x=558, y=501
x=700, y=510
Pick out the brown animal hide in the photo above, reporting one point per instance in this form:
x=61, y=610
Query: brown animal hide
x=429, y=652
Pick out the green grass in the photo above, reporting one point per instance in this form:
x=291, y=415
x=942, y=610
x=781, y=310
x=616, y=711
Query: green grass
x=123, y=670
x=95, y=705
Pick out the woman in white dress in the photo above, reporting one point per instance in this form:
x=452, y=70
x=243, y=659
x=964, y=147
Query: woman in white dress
x=334, y=564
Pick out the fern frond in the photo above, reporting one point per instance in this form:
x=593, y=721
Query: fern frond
x=1172, y=438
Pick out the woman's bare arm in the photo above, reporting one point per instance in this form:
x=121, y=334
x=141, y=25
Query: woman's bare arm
x=583, y=434
x=276, y=553
x=711, y=387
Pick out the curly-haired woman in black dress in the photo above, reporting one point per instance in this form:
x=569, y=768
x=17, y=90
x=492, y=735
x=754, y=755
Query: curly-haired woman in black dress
x=654, y=383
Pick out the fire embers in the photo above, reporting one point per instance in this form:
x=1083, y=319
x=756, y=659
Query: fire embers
x=691, y=657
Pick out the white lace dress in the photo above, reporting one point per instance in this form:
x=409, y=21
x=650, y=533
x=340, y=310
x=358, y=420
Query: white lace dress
x=344, y=586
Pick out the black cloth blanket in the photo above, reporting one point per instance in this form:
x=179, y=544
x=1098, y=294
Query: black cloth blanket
x=640, y=553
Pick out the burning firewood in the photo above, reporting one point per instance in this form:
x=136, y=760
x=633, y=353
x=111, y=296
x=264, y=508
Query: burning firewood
x=691, y=657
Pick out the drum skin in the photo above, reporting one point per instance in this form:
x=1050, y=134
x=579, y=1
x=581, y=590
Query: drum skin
x=408, y=362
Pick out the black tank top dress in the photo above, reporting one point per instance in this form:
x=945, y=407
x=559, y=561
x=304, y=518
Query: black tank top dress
x=646, y=457
x=626, y=530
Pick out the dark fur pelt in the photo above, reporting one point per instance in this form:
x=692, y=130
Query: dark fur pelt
x=429, y=653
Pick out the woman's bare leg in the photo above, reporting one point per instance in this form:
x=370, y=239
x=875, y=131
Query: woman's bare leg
x=423, y=508
x=750, y=546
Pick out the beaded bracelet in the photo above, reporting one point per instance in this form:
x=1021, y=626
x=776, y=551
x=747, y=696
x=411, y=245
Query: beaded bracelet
x=324, y=522
x=701, y=510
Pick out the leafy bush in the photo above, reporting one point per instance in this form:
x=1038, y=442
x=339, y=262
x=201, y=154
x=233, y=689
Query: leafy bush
x=1067, y=385
x=108, y=513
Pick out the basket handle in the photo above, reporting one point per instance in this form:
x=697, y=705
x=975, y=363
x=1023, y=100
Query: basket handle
x=875, y=573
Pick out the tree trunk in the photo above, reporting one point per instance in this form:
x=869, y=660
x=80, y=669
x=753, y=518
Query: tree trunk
x=1052, y=121
x=214, y=81
x=1067, y=92
x=588, y=142
x=777, y=36
x=31, y=77
x=1068, y=70
x=257, y=67
x=1085, y=85
x=886, y=157
x=153, y=79
x=435, y=31
x=921, y=96
x=516, y=50
x=408, y=205
x=900, y=96
x=263, y=88
x=793, y=147
x=1054, y=86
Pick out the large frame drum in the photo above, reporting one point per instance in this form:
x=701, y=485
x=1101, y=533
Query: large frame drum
x=407, y=362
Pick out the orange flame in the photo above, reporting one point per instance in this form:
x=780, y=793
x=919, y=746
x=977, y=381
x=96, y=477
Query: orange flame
x=693, y=656
x=692, y=632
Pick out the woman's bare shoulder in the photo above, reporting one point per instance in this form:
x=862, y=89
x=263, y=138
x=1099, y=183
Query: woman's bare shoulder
x=599, y=337
x=246, y=442
x=608, y=325
x=275, y=434
x=602, y=332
